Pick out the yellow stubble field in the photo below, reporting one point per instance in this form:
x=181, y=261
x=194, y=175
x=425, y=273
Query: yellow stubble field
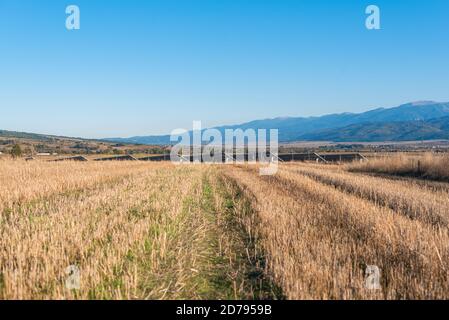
x=139, y=230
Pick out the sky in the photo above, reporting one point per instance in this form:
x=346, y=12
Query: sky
x=144, y=67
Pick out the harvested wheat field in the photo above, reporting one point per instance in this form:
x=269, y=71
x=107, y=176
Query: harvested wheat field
x=142, y=230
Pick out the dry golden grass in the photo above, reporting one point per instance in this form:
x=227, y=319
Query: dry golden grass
x=319, y=240
x=93, y=228
x=141, y=230
x=22, y=181
x=135, y=230
x=423, y=203
x=427, y=166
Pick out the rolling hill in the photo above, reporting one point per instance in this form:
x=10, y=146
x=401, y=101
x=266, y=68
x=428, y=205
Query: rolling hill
x=32, y=143
x=425, y=120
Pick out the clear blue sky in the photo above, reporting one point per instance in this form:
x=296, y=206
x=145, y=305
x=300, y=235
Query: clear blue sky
x=147, y=67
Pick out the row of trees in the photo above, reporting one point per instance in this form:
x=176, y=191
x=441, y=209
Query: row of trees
x=16, y=151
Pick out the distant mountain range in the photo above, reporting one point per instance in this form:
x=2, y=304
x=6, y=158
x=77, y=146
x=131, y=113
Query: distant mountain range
x=422, y=120
x=434, y=129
